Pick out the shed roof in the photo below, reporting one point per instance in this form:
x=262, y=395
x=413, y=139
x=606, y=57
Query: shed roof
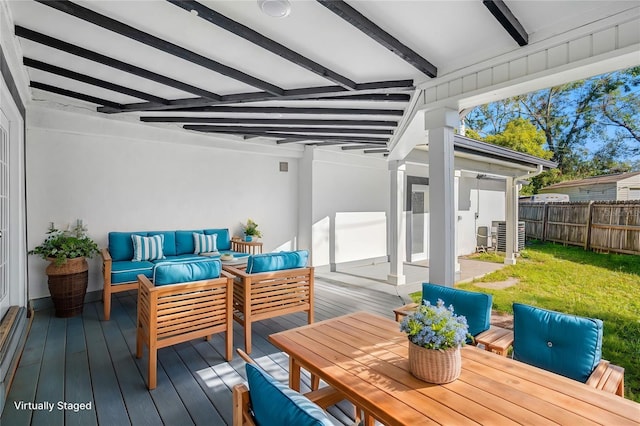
x=595, y=180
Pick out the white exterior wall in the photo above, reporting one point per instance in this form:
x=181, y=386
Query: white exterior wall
x=629, y=189
x=118, y=176
x=481, y=196
x=350, y=193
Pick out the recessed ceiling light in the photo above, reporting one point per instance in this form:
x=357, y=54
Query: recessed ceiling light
x=275, y=8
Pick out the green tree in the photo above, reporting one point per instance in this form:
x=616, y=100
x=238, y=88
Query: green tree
x=520, y=135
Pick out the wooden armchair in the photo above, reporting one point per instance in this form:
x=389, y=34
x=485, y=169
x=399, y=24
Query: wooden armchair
x=270, y=294
x=176, y=313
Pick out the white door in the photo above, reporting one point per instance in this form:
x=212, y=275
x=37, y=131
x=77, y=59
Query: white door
x=4, y=214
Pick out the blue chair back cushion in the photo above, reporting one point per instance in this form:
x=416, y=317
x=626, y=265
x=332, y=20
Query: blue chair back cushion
x=275, y=404
x=564, y=344
x=121, y=245
x=184, y=272
x=476, y=307
x=270, y=262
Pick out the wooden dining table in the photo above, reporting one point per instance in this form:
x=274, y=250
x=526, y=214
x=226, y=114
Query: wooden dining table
x=365, y=357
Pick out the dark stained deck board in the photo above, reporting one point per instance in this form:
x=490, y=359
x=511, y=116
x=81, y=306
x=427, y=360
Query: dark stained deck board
x=77, y=377
x=51, y=382
x=110, y=408
x=95, y=361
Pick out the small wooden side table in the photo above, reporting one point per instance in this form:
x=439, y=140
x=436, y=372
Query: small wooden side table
x=251, y=247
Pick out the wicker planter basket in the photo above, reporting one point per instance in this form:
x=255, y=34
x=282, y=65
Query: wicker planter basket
x=68, y=286
x=434, y=366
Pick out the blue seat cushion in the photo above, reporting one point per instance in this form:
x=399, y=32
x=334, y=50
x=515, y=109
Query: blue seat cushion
x=223, y=240
x=476, y=307
x=121, y=246
x=564, y=344
x=269, y=262
x=169, y=247
x=127, y=271
x=181, y=258
x=276, y=404
x=182, y=272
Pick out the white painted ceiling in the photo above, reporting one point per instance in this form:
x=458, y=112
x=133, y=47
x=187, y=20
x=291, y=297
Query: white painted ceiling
x=449, y=34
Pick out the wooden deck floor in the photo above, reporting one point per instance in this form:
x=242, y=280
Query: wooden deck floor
x=87, y=360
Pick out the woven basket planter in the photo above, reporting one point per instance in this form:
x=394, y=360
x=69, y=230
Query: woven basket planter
x=434, y=366
x=68, y=286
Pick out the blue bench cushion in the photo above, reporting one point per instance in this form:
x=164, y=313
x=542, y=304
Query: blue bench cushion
x=269, y=262
x=184, y=241
x=147, y=248
x=223, y=239
x=127, y=271
x=204, y=243
x=121, y=246
x=565, y=344
x=476, y=307
x=183, y=272
x=276, y=404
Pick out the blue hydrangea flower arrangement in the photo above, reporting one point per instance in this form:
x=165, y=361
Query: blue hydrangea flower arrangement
x=435, y=327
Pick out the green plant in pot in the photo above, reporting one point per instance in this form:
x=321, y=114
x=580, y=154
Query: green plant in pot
x=67, y=250
x=251, y=232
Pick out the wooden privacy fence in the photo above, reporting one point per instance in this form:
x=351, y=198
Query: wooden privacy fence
x=612, y=226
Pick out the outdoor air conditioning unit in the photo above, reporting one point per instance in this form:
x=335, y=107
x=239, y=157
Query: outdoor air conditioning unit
x=499, y=230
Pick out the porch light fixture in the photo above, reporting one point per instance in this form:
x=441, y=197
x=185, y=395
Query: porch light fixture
x=275, y=8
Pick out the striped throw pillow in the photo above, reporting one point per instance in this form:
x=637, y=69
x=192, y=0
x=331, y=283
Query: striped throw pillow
x=147, y=248
x=205, y=243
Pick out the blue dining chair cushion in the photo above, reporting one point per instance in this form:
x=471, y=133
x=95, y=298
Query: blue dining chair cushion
x=476, y=307
x=275, y=404
x=270, y=262
x=564, y=344
x=184, y=272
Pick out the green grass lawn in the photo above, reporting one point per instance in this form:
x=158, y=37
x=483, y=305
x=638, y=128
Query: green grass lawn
x=571, y=280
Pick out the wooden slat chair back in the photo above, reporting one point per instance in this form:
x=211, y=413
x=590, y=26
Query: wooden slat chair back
x=178, y=313
x=270, y=294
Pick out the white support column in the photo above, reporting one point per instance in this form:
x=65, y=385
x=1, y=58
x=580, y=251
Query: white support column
x=456, y=186
x=397, y=223
x=511, y=194
x=443, y=217
x=305, y=201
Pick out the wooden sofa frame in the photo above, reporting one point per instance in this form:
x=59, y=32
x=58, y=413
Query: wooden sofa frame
x=111, y=288
x=176, y=313
x=270, y=294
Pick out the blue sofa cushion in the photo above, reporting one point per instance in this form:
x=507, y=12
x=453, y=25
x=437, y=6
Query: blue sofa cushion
x=169, y=246
x=121, y=245
x=147, y=248
x=204, y=243
x=276, y=404
x=183, y=258
x=127, y=271
x=183, y=272
x=565, y=344
x=476, y=307
x=223, y=239
x=269, y=262
x=184, y=241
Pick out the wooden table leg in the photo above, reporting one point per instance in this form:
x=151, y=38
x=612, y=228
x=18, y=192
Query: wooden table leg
x=294, y=374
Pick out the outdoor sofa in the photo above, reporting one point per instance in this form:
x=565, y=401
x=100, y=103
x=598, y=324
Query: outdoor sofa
x=121, y=264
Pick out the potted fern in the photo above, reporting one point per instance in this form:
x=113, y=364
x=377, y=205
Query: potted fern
x=67, y=250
